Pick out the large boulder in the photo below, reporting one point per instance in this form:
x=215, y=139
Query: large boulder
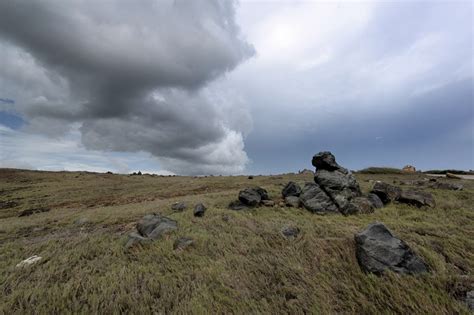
x=316, y=200
x=325, y=161
x=378, y=250
x=253, y=196
x=447, y=186
x=292, y=201
x=358, y=205
x=340, y=186
x=154, y=226
x=386, y=192
x=375, y=200
x=417, y=198
x=291, y=189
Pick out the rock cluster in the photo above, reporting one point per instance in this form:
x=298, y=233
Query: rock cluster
x=151, y=227
x=388, y=193
x=378, y=250
x=251, y=197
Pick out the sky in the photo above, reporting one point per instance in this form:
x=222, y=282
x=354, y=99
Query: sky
x=223, y=87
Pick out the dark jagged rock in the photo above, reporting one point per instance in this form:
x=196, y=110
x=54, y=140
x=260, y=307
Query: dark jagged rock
x=292, y=201
x=291, y=189
x=378, y=250
x=325, y=161
x=237, y=205
x=199, y=210
x=358, y=205
x=341, y=187
x=375, y=200
x=416, y=198
x=154, y=226
x=386, y=192
x=253, y=196
x=179, y=206
x=262, y=192
x=316, y=200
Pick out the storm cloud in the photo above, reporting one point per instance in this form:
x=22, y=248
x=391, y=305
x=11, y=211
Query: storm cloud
x=133, y=75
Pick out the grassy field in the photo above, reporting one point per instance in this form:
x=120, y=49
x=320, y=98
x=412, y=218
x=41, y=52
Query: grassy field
x=240, y=264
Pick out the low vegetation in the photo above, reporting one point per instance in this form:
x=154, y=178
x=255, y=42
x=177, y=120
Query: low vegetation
x=380, y=170
x=239, y=262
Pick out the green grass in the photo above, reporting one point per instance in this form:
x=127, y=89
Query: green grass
x=239, y=265
x=380, y=170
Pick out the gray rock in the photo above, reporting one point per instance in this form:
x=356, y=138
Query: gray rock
x=290, y=232
x=154, y=226
x=135, y=239
x=179, y=206
x=375, y=200
x=291, y=189
x=183, y=243
x=81, y=221
x=199, y=210
x=470, y=300
x=237, y=205
x=325, y=161
x=292, y=201
x=416, y=198
x=316, y=200
x=268, y=203
x=358, y=205
x=341, y=187
x=447, y=186
x=378, y=250
x=386, y=192
x=253, y=196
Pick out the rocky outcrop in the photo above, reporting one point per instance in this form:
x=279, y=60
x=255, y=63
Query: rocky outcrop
x=416, y=198
x=340, y=185
x=291, y=189
x=151, y=227
x=316, y=200
x=378, y=250
x=292, y=201
x=386, y=192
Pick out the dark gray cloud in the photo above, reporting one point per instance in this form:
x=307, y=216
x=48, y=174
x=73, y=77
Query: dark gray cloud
x=132, y=74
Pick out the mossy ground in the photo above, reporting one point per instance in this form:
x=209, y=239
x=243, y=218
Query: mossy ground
x=240, y=263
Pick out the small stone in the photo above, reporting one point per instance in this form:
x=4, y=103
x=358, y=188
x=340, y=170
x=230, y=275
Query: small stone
x=268, y=203
x=29, y=261
x=237, y=205
x=81, y=221
x=179, y=206
x=199, y=210
x=290, y=232
x=182, y=243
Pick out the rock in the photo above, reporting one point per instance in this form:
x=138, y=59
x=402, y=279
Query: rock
x=416, y=198
x=29, y=261
x=447, y=186
x=253, y=196
x=182, y=243
x=250, y=197
x=8, y=204
x=358, y=205
x=386, y=192
x=434, y=180
x=154, y=226
x=237, y=205
x=453, y=176
x=268, y=203
x=179, y=206
x=134, y=239
x=325, y=161
x=316, y=200
x=290, y=232
x=250, y=177
x=375, y=200
x=291, y=189
x=377, y=250
x=292, y=201
x=470, y=300
x=29, y=212
x=81, y=221
x=199, y=210
x=340, y=186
